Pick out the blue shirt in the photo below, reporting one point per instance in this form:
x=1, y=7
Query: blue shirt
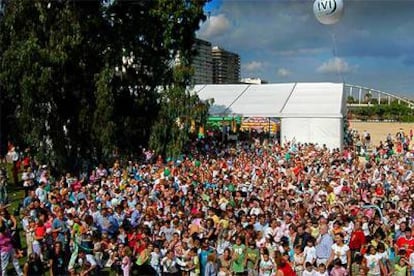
x=56, y=224
x=324, y=247
x=135, y=218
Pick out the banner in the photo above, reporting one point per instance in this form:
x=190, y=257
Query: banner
x=261, y=124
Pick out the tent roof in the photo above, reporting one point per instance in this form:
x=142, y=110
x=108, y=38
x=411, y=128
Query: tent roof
x=323, y=100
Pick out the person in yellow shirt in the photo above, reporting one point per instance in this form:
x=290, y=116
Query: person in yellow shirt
x=212, y=214
x=331, y=198
x=194, y=263
x=400, y=268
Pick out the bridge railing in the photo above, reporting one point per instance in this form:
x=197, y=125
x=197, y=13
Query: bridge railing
x=365, y=95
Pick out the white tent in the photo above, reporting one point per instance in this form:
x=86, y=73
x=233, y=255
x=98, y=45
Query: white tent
x=309, y=112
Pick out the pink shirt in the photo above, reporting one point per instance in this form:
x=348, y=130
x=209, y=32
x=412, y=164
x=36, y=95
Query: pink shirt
x=126, y=265
x=338, y=271
x=5, y=243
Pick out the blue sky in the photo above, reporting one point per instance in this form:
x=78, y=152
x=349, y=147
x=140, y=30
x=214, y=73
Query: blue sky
x=281, y=41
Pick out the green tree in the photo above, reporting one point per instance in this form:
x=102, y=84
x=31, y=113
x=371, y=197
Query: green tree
x=38, y=41
x=179, y=111
x=80, y=79
x=368, y=97
x=350, y=100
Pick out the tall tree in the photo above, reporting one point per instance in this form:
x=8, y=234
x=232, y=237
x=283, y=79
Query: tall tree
x=81, y=78
x=37, y=43
x=179, y=108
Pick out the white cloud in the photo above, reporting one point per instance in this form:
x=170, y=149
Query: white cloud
x=335, y=65
x=283, y=72
x=301, y=52
x=215, y=26
x=253, y=66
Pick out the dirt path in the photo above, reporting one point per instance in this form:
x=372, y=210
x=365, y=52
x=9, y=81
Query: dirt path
x=380, y=130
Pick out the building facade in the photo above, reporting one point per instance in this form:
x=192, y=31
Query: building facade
x=203, y=63
x=226, y=66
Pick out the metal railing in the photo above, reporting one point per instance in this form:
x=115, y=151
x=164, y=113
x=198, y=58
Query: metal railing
x=366, y=95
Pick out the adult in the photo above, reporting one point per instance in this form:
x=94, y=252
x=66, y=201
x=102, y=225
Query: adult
x=28, y=178
x=57, y=261
x=239, y=256
x=211, y=266
x=33, y=266
x=405, y=243
x=340, y=251
x=283, y=266
x=7, y=252
x=169, y=264
x=3, y=186
x=323, y=246
x=225, y=263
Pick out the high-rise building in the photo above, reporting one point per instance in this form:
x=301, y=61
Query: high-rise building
x=203, y=63
x=226, y=66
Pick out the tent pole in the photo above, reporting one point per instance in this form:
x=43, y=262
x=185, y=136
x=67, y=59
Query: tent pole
x=269, y=129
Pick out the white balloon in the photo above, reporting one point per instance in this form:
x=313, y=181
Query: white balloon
x=328, y=11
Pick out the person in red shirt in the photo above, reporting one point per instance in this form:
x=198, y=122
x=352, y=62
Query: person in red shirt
x=357, y=239
x=406, y=243
x=379, y=190
x=283, y=266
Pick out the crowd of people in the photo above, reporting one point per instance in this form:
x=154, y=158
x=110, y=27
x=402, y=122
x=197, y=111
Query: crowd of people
x=248, y=208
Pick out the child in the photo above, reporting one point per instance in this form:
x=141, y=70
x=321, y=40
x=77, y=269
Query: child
x=356, y=265
x=310, y=251
x=400, y=268
x=363, y=271
x=365, y=226
x=155, y=261
x=126, y=261
x=321, y=270
x=338, y=269
x=298, y=260
x=194, y=263
x=266, y=265
x=309, y=271
x=373, y=261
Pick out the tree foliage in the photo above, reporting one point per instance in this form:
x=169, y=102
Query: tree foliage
x=394, y=111
x=80, y=79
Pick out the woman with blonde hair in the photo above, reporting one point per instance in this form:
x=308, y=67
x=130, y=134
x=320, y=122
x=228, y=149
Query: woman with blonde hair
x=211, y=266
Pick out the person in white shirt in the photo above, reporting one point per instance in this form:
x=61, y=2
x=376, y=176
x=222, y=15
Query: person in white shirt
x=41, y=192
x=365, y=226
x=309, y=270
x=373, y=261
x=341, y=251
x=28, y=180
x=266, y=265
x=87, y=262
x=310, y=251
x=155, y=260
x=321, y=271
x=169, y=264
